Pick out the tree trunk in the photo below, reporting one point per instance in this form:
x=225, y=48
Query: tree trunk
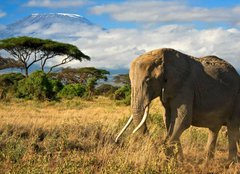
x=26, y=71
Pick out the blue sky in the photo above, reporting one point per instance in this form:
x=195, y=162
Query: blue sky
x=195, y=27
x=13, y=10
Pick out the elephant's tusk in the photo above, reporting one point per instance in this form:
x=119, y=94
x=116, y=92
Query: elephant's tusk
x=163, y=95
x=143, y=120
x=124, y=128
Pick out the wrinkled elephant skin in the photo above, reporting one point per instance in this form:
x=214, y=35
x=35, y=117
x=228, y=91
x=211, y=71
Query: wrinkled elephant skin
x=202, y=92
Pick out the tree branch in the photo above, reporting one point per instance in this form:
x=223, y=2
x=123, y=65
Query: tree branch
x=47, y=58
x=64, y=61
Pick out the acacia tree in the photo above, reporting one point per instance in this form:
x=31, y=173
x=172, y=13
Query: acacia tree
x=80, y=75
x=30, y=50
x=9, y=63
x=122, y=79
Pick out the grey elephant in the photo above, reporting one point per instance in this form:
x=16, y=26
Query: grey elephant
x=202, y=92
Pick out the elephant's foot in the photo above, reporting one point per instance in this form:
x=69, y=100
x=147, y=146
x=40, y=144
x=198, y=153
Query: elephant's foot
x=232, y=161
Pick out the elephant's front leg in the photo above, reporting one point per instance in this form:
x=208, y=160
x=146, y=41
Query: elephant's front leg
x=181, y=119
x=212, y=139
x=167, y=121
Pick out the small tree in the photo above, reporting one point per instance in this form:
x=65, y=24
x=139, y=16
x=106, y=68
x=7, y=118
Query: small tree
x=90, y=86
x=106, y=90
x=122, y=79
x=80, y=75
x=29, y=51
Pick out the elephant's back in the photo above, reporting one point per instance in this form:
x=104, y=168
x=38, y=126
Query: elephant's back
x=215, y=62
x=218, y=68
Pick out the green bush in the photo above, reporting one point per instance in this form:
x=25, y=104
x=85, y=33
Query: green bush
x=106, y=90
x=38, y=86
x=8, y=84
x=123, y=94
x=57, y=86
x=72, y=90
x=90, y=87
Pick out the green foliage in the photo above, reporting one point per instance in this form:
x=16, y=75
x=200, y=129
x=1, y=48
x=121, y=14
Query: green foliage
x=38, y=86
x=56, y=85
x=80, y=75
x=72, y=90
x=8, y=84
x=90, y=86
x=7, y=80
x=106, y=90
x=21, y=42
x=29, y=51
x=123, y=94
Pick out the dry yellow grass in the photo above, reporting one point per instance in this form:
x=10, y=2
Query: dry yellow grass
x=76, y=136
x=67, y=112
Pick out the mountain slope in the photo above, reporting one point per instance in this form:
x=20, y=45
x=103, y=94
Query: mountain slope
x=52, y=26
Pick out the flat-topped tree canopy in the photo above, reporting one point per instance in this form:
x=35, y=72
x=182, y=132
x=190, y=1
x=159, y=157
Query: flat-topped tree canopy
x=122, y=79
x=80, y=75
x=9, y=63
x=29, y=51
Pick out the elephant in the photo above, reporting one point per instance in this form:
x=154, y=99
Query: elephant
x=202, y=92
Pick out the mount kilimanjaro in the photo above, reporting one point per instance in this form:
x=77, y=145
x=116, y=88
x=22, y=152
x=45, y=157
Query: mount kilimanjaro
x=99, y=43
x=58, y=26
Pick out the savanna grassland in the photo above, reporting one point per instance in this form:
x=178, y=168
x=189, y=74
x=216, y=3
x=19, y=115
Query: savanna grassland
x=77, y=136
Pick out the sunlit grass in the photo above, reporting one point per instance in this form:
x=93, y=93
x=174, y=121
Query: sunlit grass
x=77, y=136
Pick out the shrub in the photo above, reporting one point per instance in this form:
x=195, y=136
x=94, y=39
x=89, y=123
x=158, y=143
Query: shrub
x=72, y=90
x=38, y=86
x=90, y=86
x=57, y=86
x=123, y=94
x=8, y=84
x=106, y=90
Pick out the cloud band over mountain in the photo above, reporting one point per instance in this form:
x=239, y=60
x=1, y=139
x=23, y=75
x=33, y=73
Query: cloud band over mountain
x=115, y=48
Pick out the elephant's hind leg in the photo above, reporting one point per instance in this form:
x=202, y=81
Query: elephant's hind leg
x=212, y=139
x=233, y=137
x=234, y=132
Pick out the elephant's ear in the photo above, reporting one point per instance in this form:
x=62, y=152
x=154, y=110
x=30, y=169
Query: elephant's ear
x=176, y=68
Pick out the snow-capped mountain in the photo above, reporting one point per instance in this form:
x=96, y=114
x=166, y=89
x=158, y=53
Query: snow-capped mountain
x=106, y=47
x=52, y=26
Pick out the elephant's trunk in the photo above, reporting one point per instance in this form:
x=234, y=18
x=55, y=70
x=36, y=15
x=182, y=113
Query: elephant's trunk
x=142, y=124
x=140, y=108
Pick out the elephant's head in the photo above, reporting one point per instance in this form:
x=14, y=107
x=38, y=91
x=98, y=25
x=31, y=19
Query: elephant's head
x=158, y=73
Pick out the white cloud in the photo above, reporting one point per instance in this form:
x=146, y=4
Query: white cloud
x=116, y=48
x=56, y=3
x=155, y=11
x=31, y=28
x=2, y=13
